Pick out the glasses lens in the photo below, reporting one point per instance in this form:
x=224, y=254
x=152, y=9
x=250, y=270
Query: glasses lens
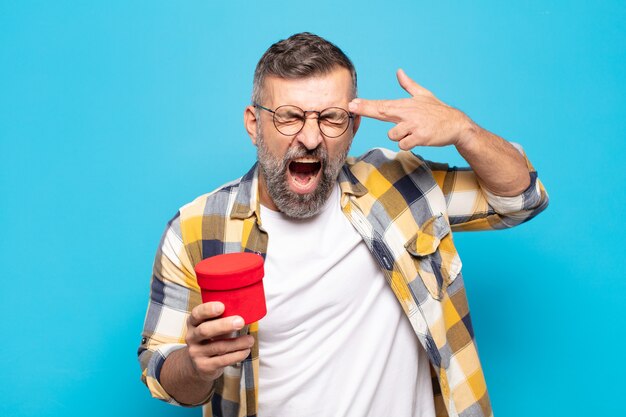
x=334, y=121
x=288, y=119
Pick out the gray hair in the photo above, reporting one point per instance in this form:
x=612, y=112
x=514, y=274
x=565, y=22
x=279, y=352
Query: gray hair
x=300, y=56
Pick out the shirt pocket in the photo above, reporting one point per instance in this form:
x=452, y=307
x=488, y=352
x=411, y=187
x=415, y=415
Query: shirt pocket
x=436, y=259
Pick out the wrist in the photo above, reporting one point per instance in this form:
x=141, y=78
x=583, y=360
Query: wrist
x=183, y=382
x=196, y=374
x=468, y=135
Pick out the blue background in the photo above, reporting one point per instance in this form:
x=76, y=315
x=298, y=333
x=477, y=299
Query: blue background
x=114, y=113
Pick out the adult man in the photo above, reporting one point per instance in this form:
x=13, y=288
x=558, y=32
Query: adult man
x=337, y=340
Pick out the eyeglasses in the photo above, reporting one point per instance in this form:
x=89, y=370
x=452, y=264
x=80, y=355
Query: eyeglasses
x=289, y=120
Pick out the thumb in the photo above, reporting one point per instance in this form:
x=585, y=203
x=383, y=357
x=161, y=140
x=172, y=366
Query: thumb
x=410, y=86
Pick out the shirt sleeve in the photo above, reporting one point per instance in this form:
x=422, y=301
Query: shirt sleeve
x=173, y=293
x=471, y=207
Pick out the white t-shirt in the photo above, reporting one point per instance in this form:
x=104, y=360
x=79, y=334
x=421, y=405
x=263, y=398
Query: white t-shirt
x=335, y=341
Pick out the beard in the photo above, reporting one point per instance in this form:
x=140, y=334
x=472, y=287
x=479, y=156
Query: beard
x=274, y=170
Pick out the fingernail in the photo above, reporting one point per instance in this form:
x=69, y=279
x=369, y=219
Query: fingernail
x=237, y=322
x=352, y=106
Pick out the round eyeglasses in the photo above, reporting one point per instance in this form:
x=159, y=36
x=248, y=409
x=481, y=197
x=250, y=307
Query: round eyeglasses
x=289, y=120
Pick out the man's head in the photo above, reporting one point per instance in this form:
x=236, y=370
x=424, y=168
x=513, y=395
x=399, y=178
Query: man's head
x=300, y=56
x=298, y=168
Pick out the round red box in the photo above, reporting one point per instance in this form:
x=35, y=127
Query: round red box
x=236, y=280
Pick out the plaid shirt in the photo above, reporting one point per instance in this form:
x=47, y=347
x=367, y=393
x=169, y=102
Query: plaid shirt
x=404, y=208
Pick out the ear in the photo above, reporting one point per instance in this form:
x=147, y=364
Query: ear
x=250, y=122
x=355, y=124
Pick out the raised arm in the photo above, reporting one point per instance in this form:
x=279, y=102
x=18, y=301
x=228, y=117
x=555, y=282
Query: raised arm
x=501, y=180
x=424, y=120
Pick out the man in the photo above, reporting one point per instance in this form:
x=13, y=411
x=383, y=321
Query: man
x=367, y=313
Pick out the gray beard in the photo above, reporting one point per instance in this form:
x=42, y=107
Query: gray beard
x=274, y=170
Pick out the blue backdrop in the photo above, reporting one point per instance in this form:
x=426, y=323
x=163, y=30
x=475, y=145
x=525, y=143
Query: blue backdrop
x=115, y=113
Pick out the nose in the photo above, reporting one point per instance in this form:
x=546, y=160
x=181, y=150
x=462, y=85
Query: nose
x=310, y=136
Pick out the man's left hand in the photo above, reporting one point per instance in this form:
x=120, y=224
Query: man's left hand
x=421, y=120
x=424, y=120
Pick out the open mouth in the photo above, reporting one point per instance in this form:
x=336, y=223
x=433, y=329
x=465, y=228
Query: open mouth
x=304, y=174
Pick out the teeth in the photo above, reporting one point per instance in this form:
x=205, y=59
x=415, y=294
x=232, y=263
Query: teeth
x=306, y=160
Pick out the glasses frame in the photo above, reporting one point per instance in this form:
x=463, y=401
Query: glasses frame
x=305, y=112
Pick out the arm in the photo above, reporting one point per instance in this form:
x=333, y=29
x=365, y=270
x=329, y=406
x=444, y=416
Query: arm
x=501, y=168
x=188, y=374
x=181, y=354
x=471, y=206
x=501, y=179
x=424, y=120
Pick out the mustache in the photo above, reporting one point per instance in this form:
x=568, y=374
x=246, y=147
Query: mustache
x=301, y=151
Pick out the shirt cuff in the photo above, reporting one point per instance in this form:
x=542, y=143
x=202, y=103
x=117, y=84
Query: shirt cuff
x=527, y=200
x=153, y=371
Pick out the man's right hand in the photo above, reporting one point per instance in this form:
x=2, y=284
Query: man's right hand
x=188, y=373
x=209, y=346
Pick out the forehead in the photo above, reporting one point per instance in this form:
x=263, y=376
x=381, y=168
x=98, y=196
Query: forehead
x=312, y=93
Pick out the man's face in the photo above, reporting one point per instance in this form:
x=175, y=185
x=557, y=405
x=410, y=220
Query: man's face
x=297, y=172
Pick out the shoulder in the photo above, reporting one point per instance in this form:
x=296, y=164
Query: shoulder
x=400, y=187
x=202, y=219
x=216, y=202
x=388, y=163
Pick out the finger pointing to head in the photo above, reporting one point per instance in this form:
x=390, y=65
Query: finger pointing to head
x=377, y=109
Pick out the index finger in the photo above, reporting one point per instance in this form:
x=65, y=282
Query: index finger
x=204, y=312
x=376, y=109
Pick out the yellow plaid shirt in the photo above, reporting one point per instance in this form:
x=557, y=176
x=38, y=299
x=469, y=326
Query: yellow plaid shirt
x=405, y=209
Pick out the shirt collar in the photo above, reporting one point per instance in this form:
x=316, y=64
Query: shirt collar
x=247, y=198
x=348, y=183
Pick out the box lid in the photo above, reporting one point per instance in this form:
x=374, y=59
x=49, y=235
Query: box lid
x=229, y=271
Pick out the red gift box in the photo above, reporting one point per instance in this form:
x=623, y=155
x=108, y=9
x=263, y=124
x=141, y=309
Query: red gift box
x=236, y=280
